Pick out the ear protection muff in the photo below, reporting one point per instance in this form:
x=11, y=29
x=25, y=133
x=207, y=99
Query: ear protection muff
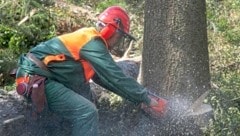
x=108, y=31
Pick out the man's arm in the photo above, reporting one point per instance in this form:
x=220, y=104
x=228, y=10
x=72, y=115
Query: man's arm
x=110, y=76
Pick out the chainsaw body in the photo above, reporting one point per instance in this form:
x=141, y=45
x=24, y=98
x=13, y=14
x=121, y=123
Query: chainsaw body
x=159, y=110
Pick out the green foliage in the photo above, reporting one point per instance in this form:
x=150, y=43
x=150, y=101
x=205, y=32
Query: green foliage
x=226, y=104
x=17, y=43
x=7, y=63
x=101, y=5
x=19, y=37
x=222, y=24
x=226, y=112
x=104, y=4
x=223, y=16
x=224, y=40
x=16, y=37
x=5, y=35
x=233, y=36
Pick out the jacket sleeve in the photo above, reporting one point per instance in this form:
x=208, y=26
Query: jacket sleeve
x=111, y=76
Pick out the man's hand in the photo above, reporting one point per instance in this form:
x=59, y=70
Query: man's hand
x=157, y=106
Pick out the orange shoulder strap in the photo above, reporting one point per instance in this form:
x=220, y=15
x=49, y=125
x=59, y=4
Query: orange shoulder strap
x=76, y=40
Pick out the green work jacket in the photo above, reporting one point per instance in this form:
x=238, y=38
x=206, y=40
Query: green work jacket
x=75, y=58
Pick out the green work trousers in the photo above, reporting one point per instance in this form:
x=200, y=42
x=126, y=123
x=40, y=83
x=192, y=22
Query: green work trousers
x=70, y=105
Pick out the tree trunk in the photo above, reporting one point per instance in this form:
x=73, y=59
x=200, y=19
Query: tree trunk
x=175, y=52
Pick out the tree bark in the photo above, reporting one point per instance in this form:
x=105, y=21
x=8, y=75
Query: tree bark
x=175, y=52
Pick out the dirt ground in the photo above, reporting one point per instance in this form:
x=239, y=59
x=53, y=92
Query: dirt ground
x=120, y=118
x=125, y=119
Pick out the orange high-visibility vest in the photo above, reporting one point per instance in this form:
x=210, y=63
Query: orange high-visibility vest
x=75, y=41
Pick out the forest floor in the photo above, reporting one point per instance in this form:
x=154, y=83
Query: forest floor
x=119, y=118
x=123, y=119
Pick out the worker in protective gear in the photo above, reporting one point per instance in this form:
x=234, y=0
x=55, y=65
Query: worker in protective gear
x=57, y=72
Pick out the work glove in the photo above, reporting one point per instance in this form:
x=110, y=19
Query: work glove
x=157, y=106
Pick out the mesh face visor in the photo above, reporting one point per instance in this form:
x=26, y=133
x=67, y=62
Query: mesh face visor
x=123, y=43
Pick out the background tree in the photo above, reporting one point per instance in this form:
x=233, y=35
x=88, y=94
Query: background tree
x=175, y=52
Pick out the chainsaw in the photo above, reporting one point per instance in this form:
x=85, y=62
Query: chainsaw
x=159, y=110
x=165, y=106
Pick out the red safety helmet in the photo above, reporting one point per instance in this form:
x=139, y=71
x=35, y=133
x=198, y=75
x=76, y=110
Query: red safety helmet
x=115, y=18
